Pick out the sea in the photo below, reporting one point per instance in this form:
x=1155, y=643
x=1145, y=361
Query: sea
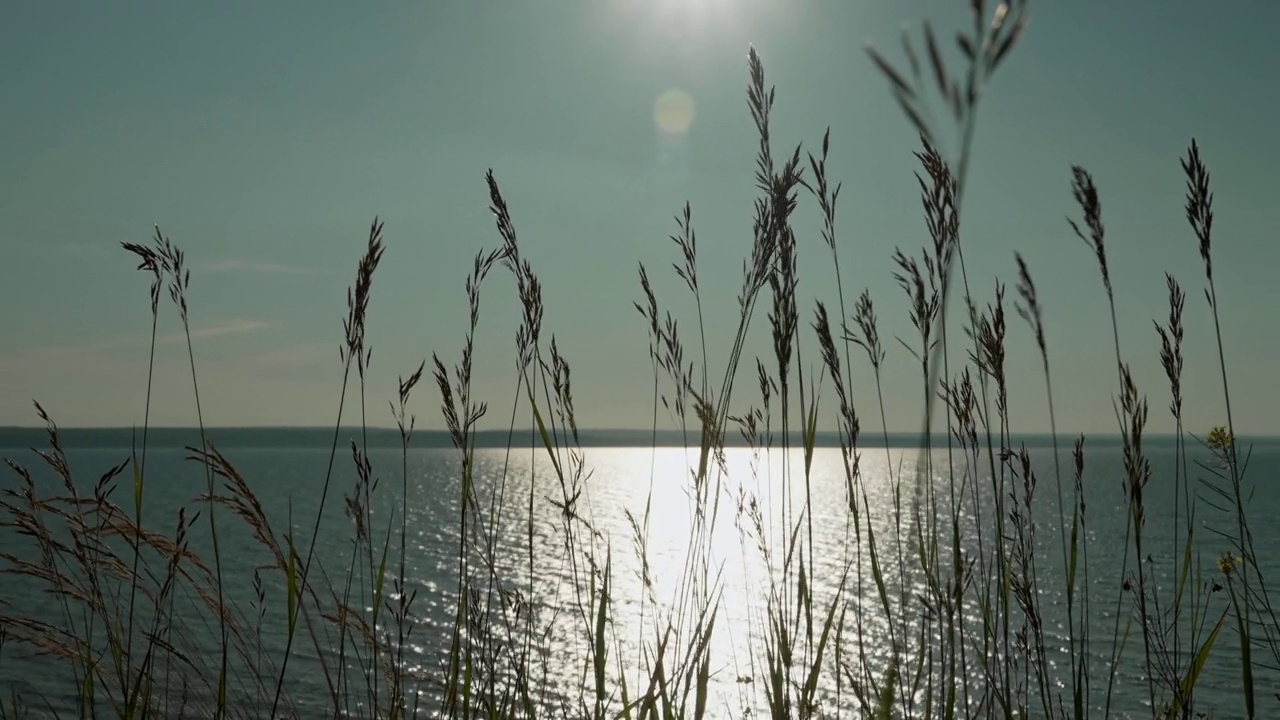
x=625, y=488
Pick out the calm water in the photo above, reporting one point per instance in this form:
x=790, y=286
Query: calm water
x=288, y=483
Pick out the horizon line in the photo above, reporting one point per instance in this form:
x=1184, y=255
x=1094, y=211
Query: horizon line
x=598, y=437
x=581, y=430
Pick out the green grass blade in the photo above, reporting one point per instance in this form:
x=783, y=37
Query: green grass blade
x=601, y=648
x=1246, y=656
x=811, y=683
x=466, y=684
x=546, y=437
x=700, y=698
x=89, y=691
x=884, y=705
x=292, y=581
x=810, y=436
x=625, y=712
x=382, y=577
x=1185, y=572
x=1075, y=551
x=1193, y=672
x=137, y=488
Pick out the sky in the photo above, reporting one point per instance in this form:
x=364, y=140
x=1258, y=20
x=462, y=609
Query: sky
x=263, y=138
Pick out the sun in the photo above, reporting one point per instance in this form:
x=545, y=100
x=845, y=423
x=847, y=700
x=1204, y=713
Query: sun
x=660, y=26
x=698, y=20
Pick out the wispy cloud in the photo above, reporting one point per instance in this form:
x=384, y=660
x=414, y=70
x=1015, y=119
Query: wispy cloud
x=34, y=357
x=234, y=326
x=232, y=265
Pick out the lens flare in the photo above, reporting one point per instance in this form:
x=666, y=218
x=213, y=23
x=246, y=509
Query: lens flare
x=674, y=113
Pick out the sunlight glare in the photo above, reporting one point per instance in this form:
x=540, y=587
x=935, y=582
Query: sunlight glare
x=686, y=31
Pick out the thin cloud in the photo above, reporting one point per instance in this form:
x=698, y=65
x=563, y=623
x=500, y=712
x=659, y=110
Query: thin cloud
x=234, y=326
x=34, y=357
x=232, y=265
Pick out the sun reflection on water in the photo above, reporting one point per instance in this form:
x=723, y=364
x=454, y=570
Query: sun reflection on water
x=733, y=565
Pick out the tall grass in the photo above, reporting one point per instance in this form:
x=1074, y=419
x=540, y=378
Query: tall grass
x=933, y=605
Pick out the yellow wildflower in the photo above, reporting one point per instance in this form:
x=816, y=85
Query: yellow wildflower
x=1228, y=564
x=1219, y=439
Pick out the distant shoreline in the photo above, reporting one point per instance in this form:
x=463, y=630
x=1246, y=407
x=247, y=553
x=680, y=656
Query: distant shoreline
x=21, y=438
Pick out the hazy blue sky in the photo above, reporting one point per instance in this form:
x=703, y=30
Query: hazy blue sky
x=264, y=137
